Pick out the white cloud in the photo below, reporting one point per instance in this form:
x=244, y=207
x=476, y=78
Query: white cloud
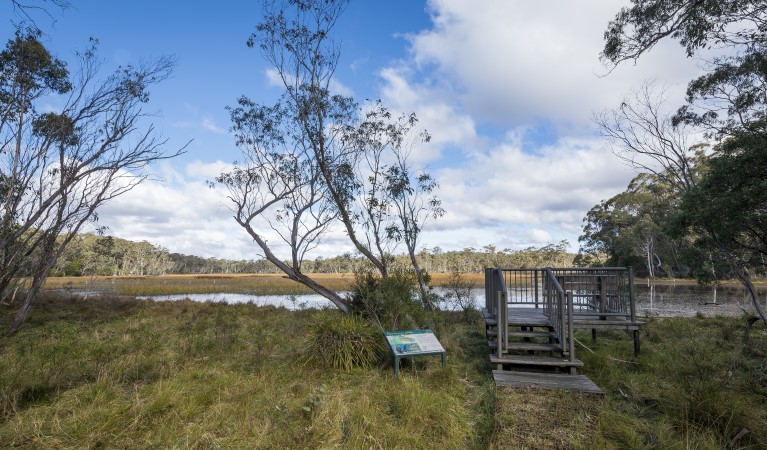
x=208, y=124
x=186, y=216
x=540, y=236
x=528, y=60
x=206, y=171
x=513, y=198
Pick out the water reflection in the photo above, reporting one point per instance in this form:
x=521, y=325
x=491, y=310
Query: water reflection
x=673, y=300
x=666, y=300
x=292, y=302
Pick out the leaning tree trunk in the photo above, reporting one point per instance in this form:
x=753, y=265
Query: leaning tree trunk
x=425, y=300
x=744, y=279
x=292, y=273
x=21, y=314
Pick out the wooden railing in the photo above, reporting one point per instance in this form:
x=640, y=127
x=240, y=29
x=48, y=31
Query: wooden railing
x=496, y=303
x=565, y=295
x=604, y=291
x=558, y=307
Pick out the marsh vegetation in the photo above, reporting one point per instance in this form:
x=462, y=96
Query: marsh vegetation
x=115, y=372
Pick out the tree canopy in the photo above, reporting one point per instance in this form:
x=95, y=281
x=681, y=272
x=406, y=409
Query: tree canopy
x=723, y=207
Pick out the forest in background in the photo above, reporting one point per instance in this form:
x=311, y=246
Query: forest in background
x=93, y=255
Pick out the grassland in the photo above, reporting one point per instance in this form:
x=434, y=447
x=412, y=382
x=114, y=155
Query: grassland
x=112, y=372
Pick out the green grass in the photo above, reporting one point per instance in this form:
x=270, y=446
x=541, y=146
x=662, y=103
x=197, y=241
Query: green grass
x=695, y=385
x=115, y=373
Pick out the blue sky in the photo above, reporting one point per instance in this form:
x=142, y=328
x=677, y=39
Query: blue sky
x=506, y=88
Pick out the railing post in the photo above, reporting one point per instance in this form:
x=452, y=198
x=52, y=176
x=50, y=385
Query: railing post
x=535, y=276
x=500, y=325
x=489, y=291
x=570, y=326
x=505, y=303
x=562, y=323
x=632, y=300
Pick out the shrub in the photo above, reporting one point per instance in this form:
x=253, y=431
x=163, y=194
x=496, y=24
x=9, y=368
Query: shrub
x=343, y=341
x=391, y=303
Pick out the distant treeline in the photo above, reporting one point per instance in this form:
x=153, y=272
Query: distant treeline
x=90, y=255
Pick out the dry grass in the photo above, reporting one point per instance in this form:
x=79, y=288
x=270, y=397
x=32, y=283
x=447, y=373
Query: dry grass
x=255, y=284
x=543, y=419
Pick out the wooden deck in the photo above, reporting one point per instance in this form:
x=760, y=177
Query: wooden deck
x=530, y=349
x=523, y=366
x=520, y=316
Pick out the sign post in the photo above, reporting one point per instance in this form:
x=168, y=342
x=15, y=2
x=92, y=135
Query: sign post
x=404, y=344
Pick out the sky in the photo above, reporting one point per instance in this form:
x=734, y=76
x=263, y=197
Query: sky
x=506, y=88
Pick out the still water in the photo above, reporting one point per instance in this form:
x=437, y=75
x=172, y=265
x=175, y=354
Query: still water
x=672, y=300
x=688, y=300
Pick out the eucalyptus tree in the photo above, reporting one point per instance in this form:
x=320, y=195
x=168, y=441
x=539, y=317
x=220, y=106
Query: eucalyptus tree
x=729, y=102
x=57, y=168
x=412, y=196
x=314, y=159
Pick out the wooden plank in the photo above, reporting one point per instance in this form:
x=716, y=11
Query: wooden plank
x=528, y=360
x=574, y=383
x=534, y=346
x=526, y=334
x=529, y=346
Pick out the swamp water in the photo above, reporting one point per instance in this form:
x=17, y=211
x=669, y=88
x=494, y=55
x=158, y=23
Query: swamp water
x=683, y=300
x=666, y=300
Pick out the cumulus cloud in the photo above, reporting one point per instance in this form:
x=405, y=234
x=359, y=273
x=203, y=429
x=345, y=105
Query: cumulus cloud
x=515, y=198
x=179, y=211
x=484, y=79
x=526, y=60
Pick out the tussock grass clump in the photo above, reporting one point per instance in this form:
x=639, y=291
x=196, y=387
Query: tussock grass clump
x=343, y=341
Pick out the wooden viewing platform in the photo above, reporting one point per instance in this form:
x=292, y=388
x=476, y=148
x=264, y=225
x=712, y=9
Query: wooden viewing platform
x=531, y=314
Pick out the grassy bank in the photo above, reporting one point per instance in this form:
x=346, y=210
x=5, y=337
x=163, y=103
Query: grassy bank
x=115, y=373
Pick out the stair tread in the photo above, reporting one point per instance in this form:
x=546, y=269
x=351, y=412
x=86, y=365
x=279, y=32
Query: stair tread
x=530, y=360
x=530, y=334
x=533, y=346
x=577, y=383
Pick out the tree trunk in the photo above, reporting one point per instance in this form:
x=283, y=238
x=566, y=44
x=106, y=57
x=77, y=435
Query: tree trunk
x=743, y=277
x=425, y=300
x=292, y=273
x=37, y=283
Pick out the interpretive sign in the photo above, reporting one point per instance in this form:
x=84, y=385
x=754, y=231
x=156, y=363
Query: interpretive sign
x=413, y=343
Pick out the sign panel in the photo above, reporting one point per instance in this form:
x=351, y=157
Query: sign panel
x=413, y=342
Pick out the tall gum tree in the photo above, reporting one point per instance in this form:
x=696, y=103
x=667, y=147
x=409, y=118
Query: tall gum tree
x=313, y=160
x=57, y=168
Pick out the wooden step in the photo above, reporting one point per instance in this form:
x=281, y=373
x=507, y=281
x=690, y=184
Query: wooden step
x=575, y=383
x=530, y=360
x=525, y=334
x=529, y=346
